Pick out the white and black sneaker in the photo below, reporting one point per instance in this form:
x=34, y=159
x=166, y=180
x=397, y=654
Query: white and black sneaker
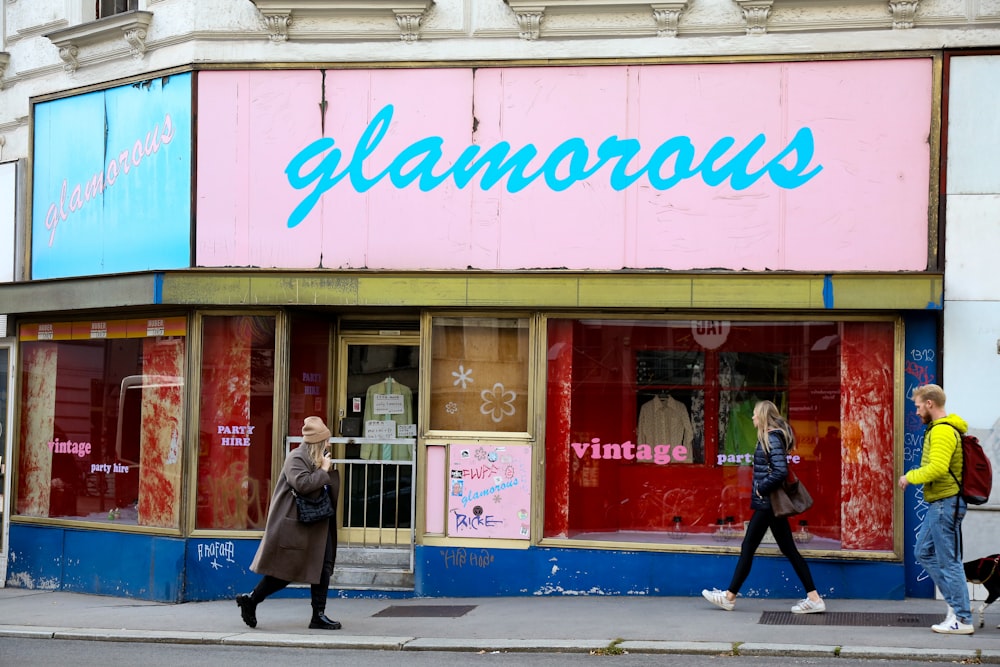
x=953, y=626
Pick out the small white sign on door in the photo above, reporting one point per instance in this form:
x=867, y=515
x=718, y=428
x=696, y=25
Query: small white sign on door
x=380, y=429
x=388, y=404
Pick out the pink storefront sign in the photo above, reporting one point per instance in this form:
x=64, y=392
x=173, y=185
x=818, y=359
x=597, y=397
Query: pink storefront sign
x=811, y=166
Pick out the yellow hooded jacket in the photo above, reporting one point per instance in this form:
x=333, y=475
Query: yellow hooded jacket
x=942, y=452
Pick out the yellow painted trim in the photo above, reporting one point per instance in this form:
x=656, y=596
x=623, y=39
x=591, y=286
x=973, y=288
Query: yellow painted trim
x=483, y=543
x=626, y=290
x=90, y=524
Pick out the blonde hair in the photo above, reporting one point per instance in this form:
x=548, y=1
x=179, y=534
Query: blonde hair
x=315, y=451
x=930, y=392
x=769, y=419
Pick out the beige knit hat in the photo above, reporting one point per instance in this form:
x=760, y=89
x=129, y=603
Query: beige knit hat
x=314, y=430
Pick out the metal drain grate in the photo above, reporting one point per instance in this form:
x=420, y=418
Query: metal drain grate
x=427, y=611
x=868, y=619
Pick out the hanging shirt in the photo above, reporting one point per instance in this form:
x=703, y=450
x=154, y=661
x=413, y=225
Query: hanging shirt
x=386, y=451
x=664, y=421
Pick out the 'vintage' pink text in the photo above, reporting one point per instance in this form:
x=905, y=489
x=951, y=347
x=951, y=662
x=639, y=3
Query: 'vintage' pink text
x=658, y=454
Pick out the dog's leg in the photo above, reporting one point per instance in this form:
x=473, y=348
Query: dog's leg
x=982, y=611
x=990, y=599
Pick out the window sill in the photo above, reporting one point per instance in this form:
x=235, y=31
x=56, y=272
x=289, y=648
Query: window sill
x=131, y=26
x=757, y=12
x=4, y=61
x=279, y=14
x=530, y=13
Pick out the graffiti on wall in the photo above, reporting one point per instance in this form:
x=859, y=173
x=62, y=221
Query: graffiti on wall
x=218, y=553
x=920, y=368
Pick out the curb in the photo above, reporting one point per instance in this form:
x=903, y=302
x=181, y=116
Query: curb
x=501, y=645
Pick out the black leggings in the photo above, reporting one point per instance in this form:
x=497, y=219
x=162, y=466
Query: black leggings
x=759, y=523
x=269, y=585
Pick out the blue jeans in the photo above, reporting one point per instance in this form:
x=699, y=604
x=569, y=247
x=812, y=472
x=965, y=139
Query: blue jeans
x=938, y=552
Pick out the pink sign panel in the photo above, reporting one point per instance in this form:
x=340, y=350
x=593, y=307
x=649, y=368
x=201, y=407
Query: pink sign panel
x=810, y=166
x=489, y=491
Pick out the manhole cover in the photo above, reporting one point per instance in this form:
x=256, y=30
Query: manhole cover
x=427, y=610
x=868, y=619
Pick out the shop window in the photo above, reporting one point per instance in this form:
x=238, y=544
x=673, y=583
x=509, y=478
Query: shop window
x=101, y=432
x=309, y=362
x=649, y=436
x=236, y=415
x=479, y=374
x=112, y=7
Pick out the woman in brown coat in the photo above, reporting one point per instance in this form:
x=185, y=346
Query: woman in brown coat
x=292, y=550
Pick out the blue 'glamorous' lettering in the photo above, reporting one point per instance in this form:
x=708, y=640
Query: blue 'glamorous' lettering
x=671, y=162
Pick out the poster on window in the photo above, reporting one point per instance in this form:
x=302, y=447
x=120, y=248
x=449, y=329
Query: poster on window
x=489, y=491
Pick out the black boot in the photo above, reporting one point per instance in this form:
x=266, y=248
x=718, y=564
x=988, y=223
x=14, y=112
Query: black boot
x=321, y=622
x=248, y=609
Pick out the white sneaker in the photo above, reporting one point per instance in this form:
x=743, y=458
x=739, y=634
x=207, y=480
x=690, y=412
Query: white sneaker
x=808, y=606
x=718, y=598
x=953, y=627
x=950, y=616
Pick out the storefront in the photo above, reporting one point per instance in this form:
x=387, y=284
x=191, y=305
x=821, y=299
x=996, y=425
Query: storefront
x=723, y=233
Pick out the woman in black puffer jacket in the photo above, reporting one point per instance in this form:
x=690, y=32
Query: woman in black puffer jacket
x=770, y=467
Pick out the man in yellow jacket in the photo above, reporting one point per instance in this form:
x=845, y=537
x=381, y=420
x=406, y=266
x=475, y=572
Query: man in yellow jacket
x=937, y=548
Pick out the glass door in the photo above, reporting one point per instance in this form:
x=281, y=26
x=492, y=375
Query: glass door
x=376, y=437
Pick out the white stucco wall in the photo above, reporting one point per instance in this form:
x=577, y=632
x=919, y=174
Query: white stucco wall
x=183, y=32
x=971, y=350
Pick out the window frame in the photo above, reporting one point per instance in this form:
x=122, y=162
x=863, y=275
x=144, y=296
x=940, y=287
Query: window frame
x=105, y=8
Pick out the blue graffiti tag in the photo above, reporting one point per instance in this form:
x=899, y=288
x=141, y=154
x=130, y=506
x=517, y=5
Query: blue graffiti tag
x=565, y=165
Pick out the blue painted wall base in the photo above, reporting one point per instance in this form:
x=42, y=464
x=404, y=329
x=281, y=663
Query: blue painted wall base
x=144, y=567
x=167, y=569
x=464, y=572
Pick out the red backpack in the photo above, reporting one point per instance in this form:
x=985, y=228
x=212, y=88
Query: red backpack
x=977, y=473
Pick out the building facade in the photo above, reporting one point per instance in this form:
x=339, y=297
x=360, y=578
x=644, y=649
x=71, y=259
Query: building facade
x=533, y=262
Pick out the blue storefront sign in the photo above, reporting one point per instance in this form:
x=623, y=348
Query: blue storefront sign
x=112, y=180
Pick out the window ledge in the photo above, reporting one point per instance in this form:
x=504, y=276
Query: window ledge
x=131, y=26
x=279, y=14
x=756, y=12
x=4, y=61
x=530, y=13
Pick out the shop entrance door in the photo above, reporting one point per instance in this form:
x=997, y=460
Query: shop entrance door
x=6, y=418
x=376, y=438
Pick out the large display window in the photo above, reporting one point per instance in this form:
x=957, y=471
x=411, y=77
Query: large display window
x=649, y=436
x=101, y=430
x=236, y=419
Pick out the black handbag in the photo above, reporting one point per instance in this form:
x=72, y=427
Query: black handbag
x=312, y=510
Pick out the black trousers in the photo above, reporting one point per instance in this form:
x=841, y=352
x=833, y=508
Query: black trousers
x=318, y=592
x=756, y=529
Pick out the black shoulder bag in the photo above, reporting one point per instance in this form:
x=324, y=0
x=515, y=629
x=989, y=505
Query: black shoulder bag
x=312, y=510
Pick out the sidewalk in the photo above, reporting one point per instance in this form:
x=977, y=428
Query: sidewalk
x=566, y=624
